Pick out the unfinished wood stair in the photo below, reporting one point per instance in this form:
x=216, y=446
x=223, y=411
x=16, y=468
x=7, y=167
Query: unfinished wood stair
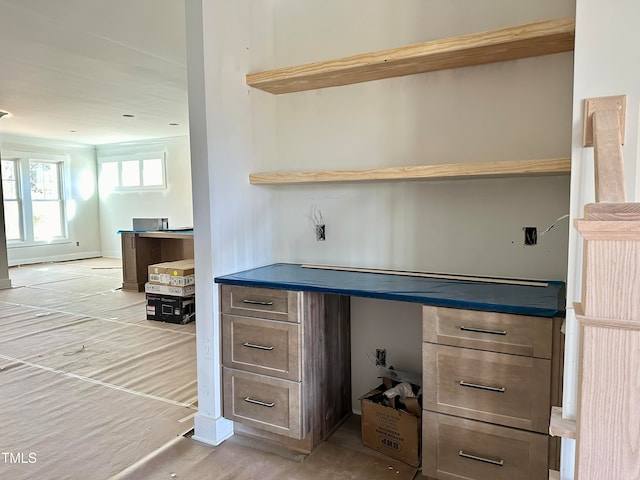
x=609, y=312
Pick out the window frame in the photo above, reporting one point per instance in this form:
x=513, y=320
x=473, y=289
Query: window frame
x=23, y=161
x=19, y=199
x=61, y=201
x=140, y=159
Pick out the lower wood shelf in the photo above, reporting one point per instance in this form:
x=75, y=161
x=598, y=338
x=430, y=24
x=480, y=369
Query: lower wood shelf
x=510, y=168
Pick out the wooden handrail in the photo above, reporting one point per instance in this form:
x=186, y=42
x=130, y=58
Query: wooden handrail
x=609, y=167
x=604, y=122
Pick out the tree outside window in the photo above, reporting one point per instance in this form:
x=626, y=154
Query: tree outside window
x=46, y=201
x=33, y=200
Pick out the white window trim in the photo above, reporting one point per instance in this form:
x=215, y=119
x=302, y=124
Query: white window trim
x=20, y=201
x=140, y=157
x=65, y=183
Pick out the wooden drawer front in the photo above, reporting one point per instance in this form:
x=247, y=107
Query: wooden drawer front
x=461, y=449
x=494, y=387
x=263, y=402
x=496, y=332
x=261, y=346
x=268, y=303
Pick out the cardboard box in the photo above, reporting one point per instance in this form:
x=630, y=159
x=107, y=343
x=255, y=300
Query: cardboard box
x=167, y=308
x=181, y=268
x=388, y=430
x=157, y=273
x=157, y=268
x=180, y=273
x=182, y=281
x=170, y=289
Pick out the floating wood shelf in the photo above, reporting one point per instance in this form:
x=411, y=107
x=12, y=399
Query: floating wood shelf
x=511, y=168
x=530, y=40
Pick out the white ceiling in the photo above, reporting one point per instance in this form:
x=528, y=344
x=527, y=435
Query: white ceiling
x=82, y=64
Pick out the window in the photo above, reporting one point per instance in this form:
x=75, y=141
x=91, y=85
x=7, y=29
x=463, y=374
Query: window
x=153, y=172
x=34, y=201
x=46, y=200
x=131, y=173
x=12, y=200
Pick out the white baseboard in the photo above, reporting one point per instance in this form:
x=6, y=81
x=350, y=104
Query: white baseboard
x=54, y=258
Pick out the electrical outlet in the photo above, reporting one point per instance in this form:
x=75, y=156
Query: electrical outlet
x=381, y=357
x=530, y=235
x=320, y=233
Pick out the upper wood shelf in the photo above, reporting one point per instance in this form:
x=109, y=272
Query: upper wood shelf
x=511, y=168
x=530, y=40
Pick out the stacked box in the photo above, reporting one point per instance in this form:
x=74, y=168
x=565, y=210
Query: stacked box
x=157, y=274
x=180, y=273
x=172, y=309
x=171, y=291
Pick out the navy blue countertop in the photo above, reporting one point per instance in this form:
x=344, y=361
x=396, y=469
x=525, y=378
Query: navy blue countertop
x=542, y=301
x=186, y=231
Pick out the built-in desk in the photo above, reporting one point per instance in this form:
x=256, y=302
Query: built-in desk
x=542, y=301
x=143, y=248
x=491, y=363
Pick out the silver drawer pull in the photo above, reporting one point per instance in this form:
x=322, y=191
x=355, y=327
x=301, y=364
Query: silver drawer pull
x=257, y=302
x=482, y=387
x=258, y=402
x=499, y=463
x=259, y=347
x=482, y=330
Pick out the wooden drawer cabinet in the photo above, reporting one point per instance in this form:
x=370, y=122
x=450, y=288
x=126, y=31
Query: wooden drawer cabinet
x=489, y=382
x=264, y=402
x=141, y=249
x=266, y=303
x=461, y=449
x=286, y=358
x=497, y=332
x=262, y=346
x=495, y=387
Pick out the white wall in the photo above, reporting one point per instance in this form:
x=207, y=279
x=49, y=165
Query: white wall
x=92, y=229
x=507, y=111
x=117, y=209
x=606, y=53
x=81, y=182
x=232, y=134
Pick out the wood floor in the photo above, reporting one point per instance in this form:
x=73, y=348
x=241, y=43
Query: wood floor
x=91, y=389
